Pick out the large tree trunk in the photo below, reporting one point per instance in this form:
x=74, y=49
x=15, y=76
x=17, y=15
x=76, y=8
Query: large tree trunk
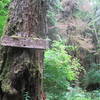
x=21, y=69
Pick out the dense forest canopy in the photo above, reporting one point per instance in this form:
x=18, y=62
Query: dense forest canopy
x=72, y=63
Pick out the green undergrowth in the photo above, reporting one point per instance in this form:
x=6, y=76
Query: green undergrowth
x=92, y=76
x=61, y=75
x=79, y=94
x=75, y=94
x=61, y=69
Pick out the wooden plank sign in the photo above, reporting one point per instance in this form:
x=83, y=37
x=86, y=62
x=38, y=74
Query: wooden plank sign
x=22, y=42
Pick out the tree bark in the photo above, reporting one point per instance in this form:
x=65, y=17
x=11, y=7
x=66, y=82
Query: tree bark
x=21, y=69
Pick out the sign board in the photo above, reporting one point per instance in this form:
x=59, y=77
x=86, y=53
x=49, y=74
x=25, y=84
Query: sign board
x=22, y=42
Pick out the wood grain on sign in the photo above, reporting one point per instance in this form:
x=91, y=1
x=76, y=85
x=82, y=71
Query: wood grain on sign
x=23, y=42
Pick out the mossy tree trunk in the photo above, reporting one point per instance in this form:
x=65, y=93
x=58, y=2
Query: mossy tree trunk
x=21, y=69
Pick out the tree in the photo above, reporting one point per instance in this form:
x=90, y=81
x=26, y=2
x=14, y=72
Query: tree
x=21, y=69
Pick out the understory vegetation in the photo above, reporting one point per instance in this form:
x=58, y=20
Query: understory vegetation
x=72, y=64
x=60, y=71
x=61, y=77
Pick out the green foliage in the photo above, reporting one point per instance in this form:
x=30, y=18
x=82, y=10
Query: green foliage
x=3, y=14
x=54, y=8
x=2, y=23
x=79, y=94
x=26, y=96
x=60, y=70
x=92, y=76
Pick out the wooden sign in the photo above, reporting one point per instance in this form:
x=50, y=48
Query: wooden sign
x=22, y=42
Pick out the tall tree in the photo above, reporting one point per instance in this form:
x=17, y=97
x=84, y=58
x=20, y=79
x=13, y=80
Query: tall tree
x=21, y=69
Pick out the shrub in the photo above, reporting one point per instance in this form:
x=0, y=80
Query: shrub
x=60, y=70
x=92, y=76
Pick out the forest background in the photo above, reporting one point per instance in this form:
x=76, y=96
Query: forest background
x=72, y=64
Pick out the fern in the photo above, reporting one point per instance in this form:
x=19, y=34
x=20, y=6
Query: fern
x=26, y=96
